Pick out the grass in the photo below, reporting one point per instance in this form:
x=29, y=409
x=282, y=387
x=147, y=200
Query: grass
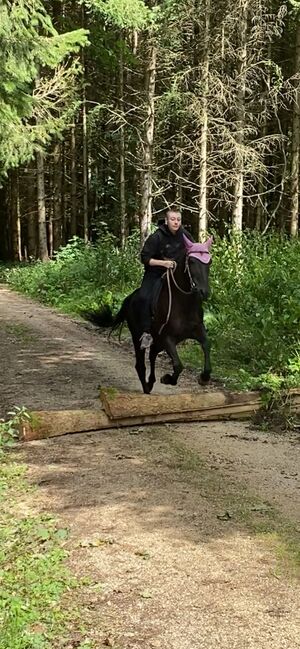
x=35, y=585
x=33, y=578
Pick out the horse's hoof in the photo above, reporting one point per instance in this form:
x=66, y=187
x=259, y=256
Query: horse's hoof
x=204, y=378
x=147, y=389
x=168, y=379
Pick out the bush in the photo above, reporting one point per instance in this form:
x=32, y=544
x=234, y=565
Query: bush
x=255, y=305
x=82, y=276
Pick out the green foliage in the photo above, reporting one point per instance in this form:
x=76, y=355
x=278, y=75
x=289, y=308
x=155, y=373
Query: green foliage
x=82, y=277
x=122, y=13
x=32, y=575
x=35, y=86
x=295, y=4
x=255, y=306
x=9, y=429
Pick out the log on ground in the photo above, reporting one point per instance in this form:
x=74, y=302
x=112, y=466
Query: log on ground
x=52, y=423
x=213, y=406
x=120, y=405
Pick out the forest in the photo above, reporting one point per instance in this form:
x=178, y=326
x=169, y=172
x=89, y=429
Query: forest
x=113, y=110
x=168, y=535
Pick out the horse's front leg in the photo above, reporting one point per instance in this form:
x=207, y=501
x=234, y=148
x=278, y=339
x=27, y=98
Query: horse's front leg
x=152, y=358
x=205, y=344
x=140, y=366
x=170, y=347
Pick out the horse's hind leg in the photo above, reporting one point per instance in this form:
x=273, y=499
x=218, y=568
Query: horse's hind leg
x=204, y=342
x=171, y=379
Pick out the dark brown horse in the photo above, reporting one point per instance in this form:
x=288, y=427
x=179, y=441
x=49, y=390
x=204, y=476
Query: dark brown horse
x=178, y=316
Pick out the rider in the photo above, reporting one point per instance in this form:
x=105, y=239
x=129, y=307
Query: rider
x=161, y=251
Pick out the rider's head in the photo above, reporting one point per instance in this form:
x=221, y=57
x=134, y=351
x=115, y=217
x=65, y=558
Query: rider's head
x=173, y=219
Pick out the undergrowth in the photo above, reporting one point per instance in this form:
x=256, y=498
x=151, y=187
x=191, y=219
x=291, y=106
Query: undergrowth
x=252, y=316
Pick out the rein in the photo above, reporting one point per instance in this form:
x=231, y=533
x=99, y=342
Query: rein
x=170, y=275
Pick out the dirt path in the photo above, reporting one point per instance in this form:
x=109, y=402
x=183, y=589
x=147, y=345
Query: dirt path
x=188, y=533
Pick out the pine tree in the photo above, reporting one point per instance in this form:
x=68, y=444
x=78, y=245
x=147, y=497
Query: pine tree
x=32, y=112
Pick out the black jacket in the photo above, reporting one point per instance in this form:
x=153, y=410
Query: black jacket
x=162, y=244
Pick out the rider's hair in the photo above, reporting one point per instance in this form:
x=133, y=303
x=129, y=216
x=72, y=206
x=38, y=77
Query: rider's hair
x=173, y=208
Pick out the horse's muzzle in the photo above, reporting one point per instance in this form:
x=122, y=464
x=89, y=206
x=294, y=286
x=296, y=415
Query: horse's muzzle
x=201, y=292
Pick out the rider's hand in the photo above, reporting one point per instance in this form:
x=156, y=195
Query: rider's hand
x=170, y=264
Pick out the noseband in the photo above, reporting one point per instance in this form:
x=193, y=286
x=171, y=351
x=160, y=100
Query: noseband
x=188, y=271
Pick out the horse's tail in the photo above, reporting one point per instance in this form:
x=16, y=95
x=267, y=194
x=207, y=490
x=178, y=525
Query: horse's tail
x=103, y=317
x=120, y=317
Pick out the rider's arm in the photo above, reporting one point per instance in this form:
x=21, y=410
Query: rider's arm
x=165, y=263
x=151, y=250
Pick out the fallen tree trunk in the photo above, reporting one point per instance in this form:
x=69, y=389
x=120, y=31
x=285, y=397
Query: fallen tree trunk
x=127, y=409
x=120, y=405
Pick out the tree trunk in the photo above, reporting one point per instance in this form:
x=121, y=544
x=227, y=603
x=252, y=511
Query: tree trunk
x=294, y=227
x=179, y=188
x=85, y=172
x=42, y=227
x=32, y=238
x=4, y=222
x=64, y=197
x=122, y=147
x=57, y=196
x=203, y=146
x=237, y=217
x=146, y=179
x=15, y=216
x=133, y=171
x=85, y=176
x=50, y=210
x=73, y=224
x=261, y=209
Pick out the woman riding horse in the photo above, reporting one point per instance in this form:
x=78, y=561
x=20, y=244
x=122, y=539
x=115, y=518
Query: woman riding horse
x=161, y=251
x=178, y=313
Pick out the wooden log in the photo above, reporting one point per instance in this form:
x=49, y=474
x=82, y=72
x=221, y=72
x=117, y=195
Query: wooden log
x=292, y=397
x=120, y=405
x=211, y=414
x=52, y=423
x=212, y=406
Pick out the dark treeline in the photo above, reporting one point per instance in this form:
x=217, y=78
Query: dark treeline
x=111, y=111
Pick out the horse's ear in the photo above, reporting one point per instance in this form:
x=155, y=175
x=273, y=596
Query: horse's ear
x=209, y=242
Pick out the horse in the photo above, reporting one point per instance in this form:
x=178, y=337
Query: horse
x=178, y=316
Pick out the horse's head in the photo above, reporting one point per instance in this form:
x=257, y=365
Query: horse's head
x=198, y=261
x=198, y=274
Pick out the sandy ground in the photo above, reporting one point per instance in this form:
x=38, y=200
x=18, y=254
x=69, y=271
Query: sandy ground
x=182, y=529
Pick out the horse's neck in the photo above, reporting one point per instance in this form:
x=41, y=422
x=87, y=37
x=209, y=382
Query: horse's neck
x=181, y=276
